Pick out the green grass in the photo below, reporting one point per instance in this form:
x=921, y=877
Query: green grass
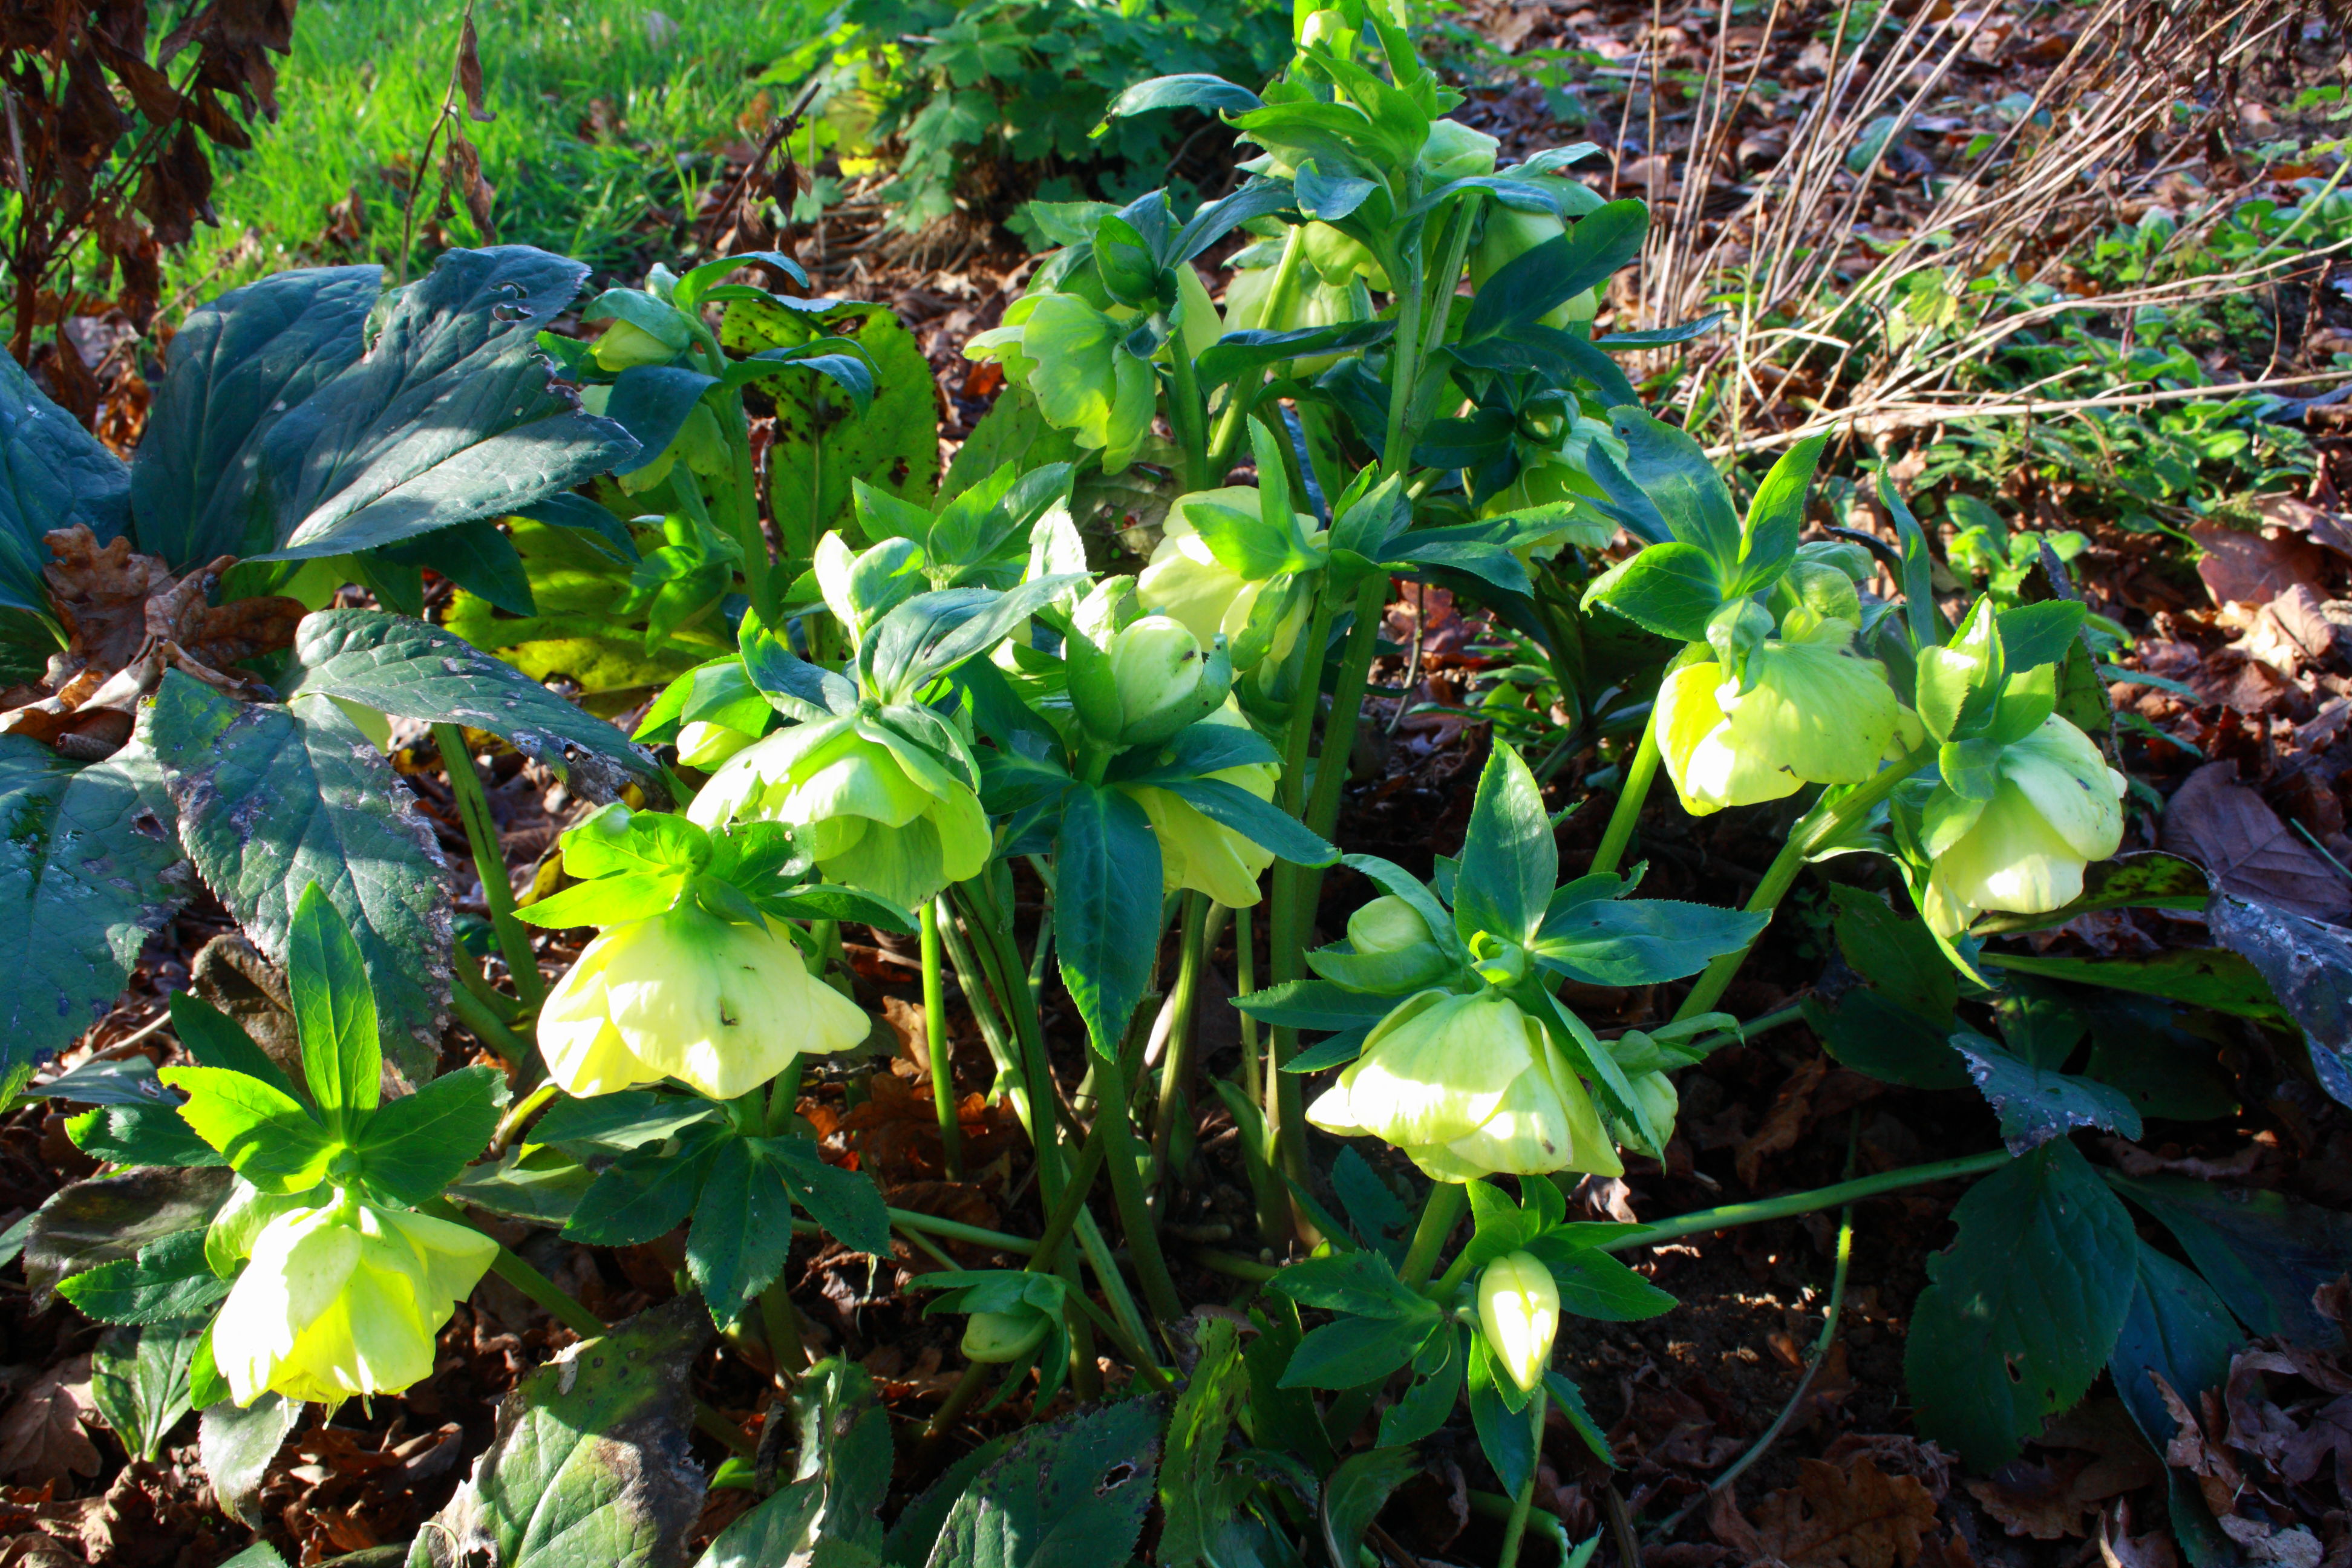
x=613, y=187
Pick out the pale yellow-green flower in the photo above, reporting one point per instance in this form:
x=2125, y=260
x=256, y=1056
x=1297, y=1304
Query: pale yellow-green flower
x=705, y=745
x=1203, y=855
x=719, y=1006
x=1468, y=1087
x=876, y=810
x=1187, y=581
x=1817, y=713
x=2057, y=807
x=343, y=1300
x=1519, y=1313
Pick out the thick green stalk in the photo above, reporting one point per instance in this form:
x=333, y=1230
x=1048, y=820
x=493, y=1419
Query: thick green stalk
x=1817, y=827
x=1514, y=1529
x=1230, y=423
x=958, y=1400
x=935, y=1035
x=492, y=1031
x=1444, y=1205
x=490, y=865
x=1123, y=1154
x=1791, y=1203
x=780, y=1323
x=1177, y=1062
x=1188, y=416
x=518, y=1117
x=1404, y=371
x=1632, y=790
x=1347, y=707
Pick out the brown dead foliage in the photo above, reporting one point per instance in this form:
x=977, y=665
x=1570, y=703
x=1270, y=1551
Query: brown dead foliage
x=129, y=620
x=1853, y=1515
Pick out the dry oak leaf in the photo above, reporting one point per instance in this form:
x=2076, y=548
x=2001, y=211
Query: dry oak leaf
x=41, y=1436
x=1856, y=1517
x=2227, y=829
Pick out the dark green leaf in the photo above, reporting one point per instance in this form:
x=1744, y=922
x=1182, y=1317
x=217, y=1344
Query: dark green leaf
x=2147, y=880
x=448, y=417
x=1195, y=1498
x=2035, y=635
x=1362, y=1284
x=1107, y=893
x=2177, y=1330
x=53, y=474
x=1870, y=1034
x=1355, y=1493
x=2022, y=1309
x=1194, y=90
x=1507, y=1436
x=417, y=1144
x=1537, y=282
x=1640, y=941
x=214, y=1038
x=239, y=1446
x=169, y=1279
x=1261, y=822
x=742, y=1230
x=2263, y=1254
x=477, y=556
x=645, y=1194
x=271, y=801
x=1070, y=1492
x=1671, y=589
x=89, y=871
x=1427, y=1404
x=1594, y=1285
x=139, y=1381
x=2201, y=976
x=2036, y=1104
x=846, y=1203
x=1354, y=1352
x=589, y=1467
x=611, y=1123
x=1314, y=1004
x=238, y=364
x=141, y=1135
x=1674, y=472
x=651, y=402
x=413, y=671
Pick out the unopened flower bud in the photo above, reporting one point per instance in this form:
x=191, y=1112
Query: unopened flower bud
x=1002, y=1336
x=1158, y=664
x=1518, y=1311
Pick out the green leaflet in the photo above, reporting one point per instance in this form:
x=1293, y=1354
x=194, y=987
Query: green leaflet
x=589, y=1466
x=1070, y=1491
x=2023, y=1306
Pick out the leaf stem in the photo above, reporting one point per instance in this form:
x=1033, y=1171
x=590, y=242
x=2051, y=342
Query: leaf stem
x=1241, y=394
x=1817, y=827
x=492, y=1031
x=1790, y=1203
x=1123, y=1155
x=1188, y=415
x=1514, y=1529
x=1640, y=774
x=935, y=1032
x=1444, y=1205
x=490, y=865
x=1176, y=1064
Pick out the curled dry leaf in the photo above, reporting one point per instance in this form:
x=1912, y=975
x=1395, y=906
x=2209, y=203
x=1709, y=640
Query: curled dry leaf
x=128, y=619
x=1846, y=1516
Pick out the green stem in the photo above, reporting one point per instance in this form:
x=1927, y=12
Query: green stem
x=784, y=1101
x=1632, y=790
x=1404, y=371
x=1493, y=1505
x=492, y=1031
x=1240, y=395
x=1122, y=1341
x=1339, y=727
x=958, y=1400
x=781, y=1322
x=1245, y=964
x=520, y=1116
x=1176, y=1064
x=1451, y=1281
x=490, y=865
x=1122, y=1153
x=1818, y=828
x=1516, y=1527
x=1444, y=1205
x=935, y=1033
x=1187, y=415
x=1232, y=1264
x=1285, y=933
x=956, y=1230
x=1790, y=1203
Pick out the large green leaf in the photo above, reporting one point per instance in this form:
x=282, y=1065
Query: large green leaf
x=1108, y=890
x=450, y=415
x=2024, y=1307
x=2263, y=1254
x=139, y=1381
x=2036, y=1104
x=272, y=799
x=823, y=440
x=588, y=1467
x=1069, y=1494
x=53, y=474
x=238, y=1446
x=89, y=871
x=1509, y=860
x=411, y=669
x=236, y=366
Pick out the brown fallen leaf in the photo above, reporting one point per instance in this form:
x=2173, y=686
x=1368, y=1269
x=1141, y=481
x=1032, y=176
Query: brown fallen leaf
x=1792, y=1113
x=1855, y=1516
x=41, y=1436
x=2082, y=1459
x=2253, y=568
x=2227, y=829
